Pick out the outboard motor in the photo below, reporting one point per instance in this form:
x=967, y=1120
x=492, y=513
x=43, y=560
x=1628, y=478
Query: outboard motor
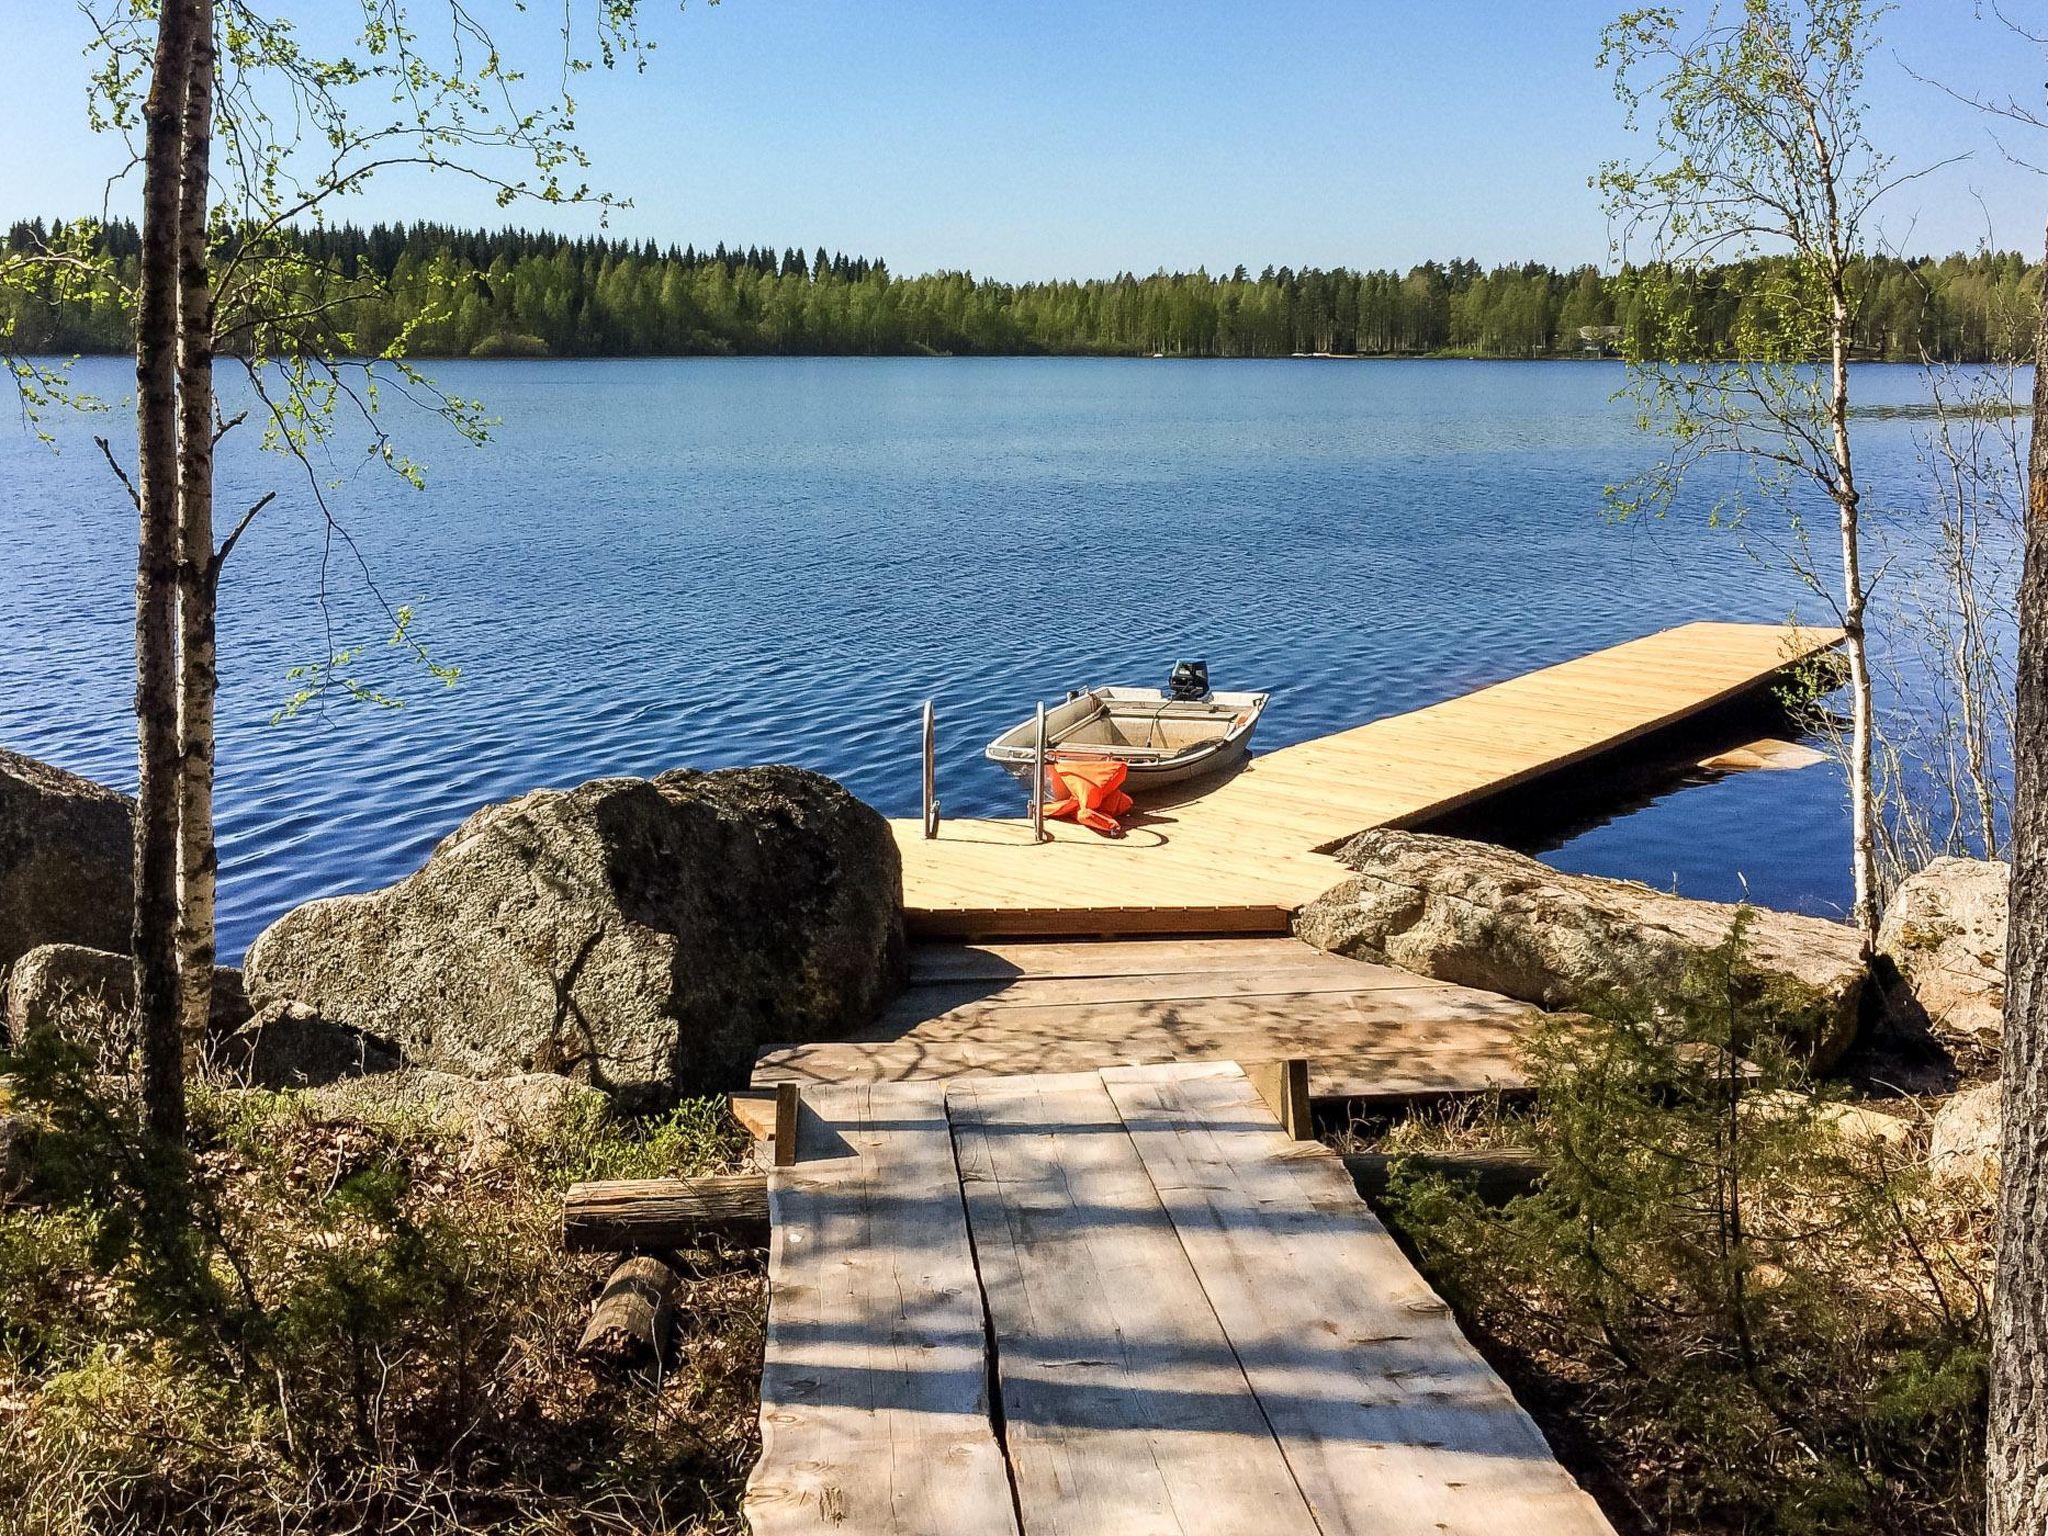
x=1189, y=683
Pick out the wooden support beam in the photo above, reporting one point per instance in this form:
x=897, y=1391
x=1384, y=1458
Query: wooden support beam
x=770, y=1117
x=621, y=1215
x=624, y=1215
x=754, y=1108
x=1495, y=1175
x=1284, y=1087
x=788, y=1105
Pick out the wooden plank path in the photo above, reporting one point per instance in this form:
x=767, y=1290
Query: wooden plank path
x=1125, y=1411
x=874, y=1387
x=1367, y=1031
x=1192, y=1323
x=1241, y=856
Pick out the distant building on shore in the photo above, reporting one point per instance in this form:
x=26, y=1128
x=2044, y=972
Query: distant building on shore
x=1604, y=340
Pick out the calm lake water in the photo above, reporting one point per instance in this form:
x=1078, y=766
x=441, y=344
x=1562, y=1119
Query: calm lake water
x=713, y=562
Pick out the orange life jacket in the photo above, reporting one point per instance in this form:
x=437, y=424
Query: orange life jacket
x=1087, y=790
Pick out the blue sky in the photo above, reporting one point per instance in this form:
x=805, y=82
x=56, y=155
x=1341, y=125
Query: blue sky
x=1087, y=136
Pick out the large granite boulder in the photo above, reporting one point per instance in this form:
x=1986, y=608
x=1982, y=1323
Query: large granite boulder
x=1944, y=934
x=66, y=860
x=90, y=995
x=1485, y=917
x=644, y=936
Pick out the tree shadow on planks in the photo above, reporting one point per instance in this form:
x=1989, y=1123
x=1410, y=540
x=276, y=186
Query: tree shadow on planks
x=1393, y=1389
x=1376, y=1043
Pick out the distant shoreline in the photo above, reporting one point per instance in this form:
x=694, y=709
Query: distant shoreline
x=1449, y=355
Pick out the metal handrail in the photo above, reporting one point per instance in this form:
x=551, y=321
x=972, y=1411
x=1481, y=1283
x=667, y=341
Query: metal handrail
x=931, y=771
x=1038, y=781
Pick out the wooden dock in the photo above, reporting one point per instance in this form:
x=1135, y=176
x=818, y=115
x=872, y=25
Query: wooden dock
x=1368, y=1031
x=1120, y=1302
x=1244, y=855
x=1046, y=1261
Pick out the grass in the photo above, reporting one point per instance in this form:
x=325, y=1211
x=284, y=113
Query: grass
x=1463, y=1123
x=374, y=1329
x=1731, y=1312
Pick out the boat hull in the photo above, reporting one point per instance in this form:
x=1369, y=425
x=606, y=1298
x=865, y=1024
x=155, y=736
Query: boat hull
x=1177, y=741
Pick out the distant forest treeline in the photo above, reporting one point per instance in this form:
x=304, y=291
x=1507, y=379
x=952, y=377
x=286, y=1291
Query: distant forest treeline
x=518, y=293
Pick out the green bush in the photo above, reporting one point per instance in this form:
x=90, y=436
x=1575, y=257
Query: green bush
x=323, y=1324
x=510, y=344
x=1762, y=1322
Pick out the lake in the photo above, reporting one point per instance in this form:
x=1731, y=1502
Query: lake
x=719, y=561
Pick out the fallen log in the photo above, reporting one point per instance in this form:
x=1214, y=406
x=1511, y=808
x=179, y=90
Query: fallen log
x=1495, y=1175
x=634, y=1314
x=624, y=1215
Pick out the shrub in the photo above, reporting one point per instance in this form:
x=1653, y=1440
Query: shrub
x=320, y=1324
x=510, y=344
x=1763, y=1323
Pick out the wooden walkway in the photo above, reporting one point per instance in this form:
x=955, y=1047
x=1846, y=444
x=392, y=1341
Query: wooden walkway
x=1243, y=855
x=1368, y=1031
x=1119, y=1302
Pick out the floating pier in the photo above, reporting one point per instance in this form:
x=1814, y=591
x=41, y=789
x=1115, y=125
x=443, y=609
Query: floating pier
x=1243, y=855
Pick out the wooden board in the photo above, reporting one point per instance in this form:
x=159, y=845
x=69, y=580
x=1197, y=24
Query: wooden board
x=1368, y=1031
x=1048, y=958
x=1193, y=1325
x=1391, y=1423
x=874, y=1405
x=1769, y=754
x=1241, y=856
x=1124, y=1411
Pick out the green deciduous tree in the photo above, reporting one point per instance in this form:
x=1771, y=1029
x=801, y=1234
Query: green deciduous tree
x=1760, y=151
x=246, y=134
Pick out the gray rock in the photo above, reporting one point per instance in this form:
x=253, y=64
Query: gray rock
x=1944, y=934
x=645, y=936
x=1482, y=916
x=89, y=994
x=1963, y=1140
x=1859, y=1123
x=288, y=1045
x=66, y=860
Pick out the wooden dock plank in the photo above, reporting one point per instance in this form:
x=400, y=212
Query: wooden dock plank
x=1241, y=856
x=1193, y=1326
x=1368, y=1031
x=1125, y=1412
x=874, y=1405
x=1391, y=1422
x=957, y=999
x=999, y=961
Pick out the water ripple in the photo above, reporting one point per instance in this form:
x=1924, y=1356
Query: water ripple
x=707, y=563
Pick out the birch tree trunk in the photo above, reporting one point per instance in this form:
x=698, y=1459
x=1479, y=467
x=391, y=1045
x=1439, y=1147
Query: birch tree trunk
x=1855, y=601
x=198, y=678
x=2016, y=1478
x=153, y=935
